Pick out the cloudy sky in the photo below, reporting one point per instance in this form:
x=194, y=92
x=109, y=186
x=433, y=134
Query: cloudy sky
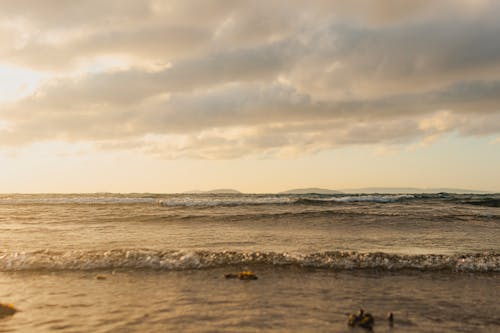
x=168, y=96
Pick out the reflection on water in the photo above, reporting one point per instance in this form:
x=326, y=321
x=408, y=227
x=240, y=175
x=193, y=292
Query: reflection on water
x=284, y=299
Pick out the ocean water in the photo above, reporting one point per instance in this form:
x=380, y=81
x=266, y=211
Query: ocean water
x=156, y=263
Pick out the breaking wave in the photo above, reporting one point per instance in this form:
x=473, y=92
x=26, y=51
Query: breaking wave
x=207, y=201
x=356, y=198
x=189, y=260
x=277, y=200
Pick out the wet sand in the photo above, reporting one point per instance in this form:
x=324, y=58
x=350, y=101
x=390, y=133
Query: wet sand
x=285, y=299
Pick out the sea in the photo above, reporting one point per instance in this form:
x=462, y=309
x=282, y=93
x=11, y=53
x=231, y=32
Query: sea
x=157, y=262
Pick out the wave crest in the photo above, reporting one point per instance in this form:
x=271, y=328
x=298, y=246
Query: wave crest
x=188, y=260
x=208, y=201
x=356, y=198
x=279, y=200
x=197, y=200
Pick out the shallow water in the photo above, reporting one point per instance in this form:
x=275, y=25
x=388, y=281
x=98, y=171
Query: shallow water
x=434, y=260
x=281, y=300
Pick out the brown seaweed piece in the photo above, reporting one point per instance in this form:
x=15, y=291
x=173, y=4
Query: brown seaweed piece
x=245, y=275
x=7, y=310
x=390, y=318
x=361, y=319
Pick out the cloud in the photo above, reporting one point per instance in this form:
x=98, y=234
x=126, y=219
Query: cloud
x=268, y=78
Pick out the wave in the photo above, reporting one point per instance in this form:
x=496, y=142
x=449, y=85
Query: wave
x=356, y=198
x=89, y=200
x=207, y=201
x=487, y=202
x=277, y=200
x=216, y=200
x=197, y=200
x=190, y=260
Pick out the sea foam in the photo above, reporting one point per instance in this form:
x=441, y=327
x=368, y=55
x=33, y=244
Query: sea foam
x=188, y=260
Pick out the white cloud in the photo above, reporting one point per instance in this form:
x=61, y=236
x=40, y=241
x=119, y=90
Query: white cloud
x=236, y=78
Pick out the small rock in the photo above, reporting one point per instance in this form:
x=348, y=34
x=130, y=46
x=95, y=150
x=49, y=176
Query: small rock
x=100, y=277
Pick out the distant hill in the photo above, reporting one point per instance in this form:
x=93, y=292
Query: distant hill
x=224, y=191
x=311, y=190
x=217, y=191
x=411, y=190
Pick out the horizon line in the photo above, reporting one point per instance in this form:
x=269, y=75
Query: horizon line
x=357, y=190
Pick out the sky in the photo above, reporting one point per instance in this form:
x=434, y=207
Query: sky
x=260, y=96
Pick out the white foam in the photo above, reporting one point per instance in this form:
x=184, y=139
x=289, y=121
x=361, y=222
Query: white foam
x=187, y=260
x=373, y=198
x=225, y=201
